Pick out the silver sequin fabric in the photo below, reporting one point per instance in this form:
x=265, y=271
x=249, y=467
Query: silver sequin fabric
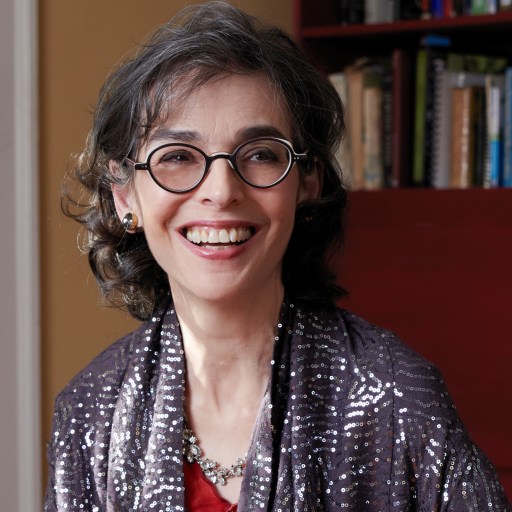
x=353, y=420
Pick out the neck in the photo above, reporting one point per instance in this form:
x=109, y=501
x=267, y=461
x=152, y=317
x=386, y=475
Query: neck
x=228, y=347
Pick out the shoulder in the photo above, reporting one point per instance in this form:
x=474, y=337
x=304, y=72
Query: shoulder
x=101, y=378
x=365, y=341
x=378, y=353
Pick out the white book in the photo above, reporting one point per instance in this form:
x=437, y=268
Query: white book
x=378, y=11
x=447, y=81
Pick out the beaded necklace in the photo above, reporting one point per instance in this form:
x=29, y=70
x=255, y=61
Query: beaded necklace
x=211, y=469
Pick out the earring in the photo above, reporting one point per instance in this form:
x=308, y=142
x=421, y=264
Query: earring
x=130, y=222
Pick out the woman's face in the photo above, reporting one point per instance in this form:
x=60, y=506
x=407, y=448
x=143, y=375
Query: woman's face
x=218, y=117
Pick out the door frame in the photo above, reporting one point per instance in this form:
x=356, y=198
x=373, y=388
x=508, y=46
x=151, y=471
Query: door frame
x=20, y=483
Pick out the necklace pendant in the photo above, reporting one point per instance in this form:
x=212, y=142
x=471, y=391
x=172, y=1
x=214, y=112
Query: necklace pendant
x=211, y=469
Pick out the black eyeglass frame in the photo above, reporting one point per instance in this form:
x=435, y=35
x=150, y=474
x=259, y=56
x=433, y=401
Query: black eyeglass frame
x=230, y=157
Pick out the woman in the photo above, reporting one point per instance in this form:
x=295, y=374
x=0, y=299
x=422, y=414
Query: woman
x=215, y=200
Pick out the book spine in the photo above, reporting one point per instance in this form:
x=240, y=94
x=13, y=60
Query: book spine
x=479, y=135
x=418, y=165
x=494, y=135
x=461, y=162
x=448, y=9
x=355, y=125
x=425, y=8
x=356, y=12
x=343, y=9
x=401, y=118
x=441, y=177
x=372, y=138
x=492, y=6
x=435, y=68
x=375, y=11
x=408, y=10
x=387, y=128
x=507, y=146
x=479, y=7
x=494, y=87
x=437, y=8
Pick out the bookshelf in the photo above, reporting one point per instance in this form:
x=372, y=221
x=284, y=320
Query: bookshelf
x=435, y=266
x=333, y=45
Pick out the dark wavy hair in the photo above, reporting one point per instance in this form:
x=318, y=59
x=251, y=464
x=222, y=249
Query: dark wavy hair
x=203, y=43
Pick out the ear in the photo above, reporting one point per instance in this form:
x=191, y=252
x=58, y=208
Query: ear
x=311, y=183
x=124, y=195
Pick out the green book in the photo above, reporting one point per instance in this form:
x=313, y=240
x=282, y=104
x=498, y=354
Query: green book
x=479, y=7
x=475, y=63
x=418, y=163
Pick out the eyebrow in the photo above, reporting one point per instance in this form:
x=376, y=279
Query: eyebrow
x=263, y=130
x=163, y=134
x=166, y=134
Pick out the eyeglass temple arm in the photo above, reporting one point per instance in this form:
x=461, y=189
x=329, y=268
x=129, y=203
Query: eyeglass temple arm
x=138, y=166
x=306, y=159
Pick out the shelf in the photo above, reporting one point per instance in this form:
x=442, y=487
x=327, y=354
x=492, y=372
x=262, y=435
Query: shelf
x=484, y=23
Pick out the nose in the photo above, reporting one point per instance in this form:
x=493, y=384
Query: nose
x=222, y=186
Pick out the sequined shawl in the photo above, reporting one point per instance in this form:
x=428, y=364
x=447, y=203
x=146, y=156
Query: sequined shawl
x=352, y=420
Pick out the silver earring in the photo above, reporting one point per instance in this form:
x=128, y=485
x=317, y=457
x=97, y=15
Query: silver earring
x=130, y=222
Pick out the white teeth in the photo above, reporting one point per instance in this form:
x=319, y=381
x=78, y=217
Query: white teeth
x=223, y=236
x=213, y=236
x=198, y=235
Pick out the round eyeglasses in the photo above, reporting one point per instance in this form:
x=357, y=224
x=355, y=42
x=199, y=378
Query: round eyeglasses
x=262, y=163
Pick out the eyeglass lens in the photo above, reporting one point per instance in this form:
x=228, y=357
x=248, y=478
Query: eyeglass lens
x=261, y=163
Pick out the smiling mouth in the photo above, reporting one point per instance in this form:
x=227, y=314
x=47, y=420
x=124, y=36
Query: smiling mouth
x=224, y=237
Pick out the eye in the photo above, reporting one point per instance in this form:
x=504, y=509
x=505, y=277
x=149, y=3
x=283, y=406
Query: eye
x=259, y=153
x=176, y=156
x=262, y=155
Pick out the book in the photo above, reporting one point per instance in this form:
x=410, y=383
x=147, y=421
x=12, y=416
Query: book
x=494, y=97
x=387, y=126
x=432, y=118
x=479, y=128
x=475, y=63
x=449, y=9
x=418, y=163
x=372, y=127
x=351, y=12
x=430, y=61
x=437, y=8
x=407, y=10
x=354, y=120
x=378, y=11
x=401, y=123
x=461, y=70
x=448, y=80
x=479, y=7
x=507, y=136
x=492, y=6
x=462, y=137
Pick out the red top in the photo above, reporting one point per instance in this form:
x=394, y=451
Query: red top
x=200, y=494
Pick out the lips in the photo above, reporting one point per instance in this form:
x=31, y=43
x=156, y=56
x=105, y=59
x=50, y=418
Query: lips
x=210, y=236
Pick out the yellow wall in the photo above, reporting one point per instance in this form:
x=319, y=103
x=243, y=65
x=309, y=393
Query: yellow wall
x=80, y=42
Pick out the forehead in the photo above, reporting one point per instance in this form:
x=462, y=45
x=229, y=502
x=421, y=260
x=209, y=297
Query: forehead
x=223, y=110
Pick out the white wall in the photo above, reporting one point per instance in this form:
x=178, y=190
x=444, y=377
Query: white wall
x=19, y=261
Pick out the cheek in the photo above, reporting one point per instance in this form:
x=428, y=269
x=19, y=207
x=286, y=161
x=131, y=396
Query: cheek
x=157, y=206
